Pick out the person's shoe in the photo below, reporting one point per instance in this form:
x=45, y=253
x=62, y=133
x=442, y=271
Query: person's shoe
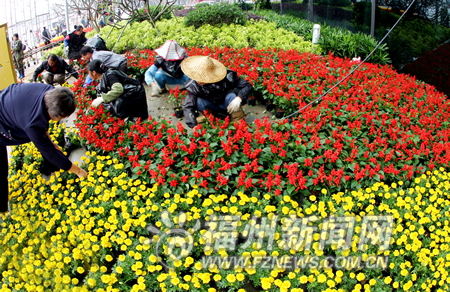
x=156, y=91
x=202, y=118
x=237, y=116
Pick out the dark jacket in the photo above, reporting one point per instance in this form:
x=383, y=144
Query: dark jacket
x=61, y=68
x=75, y=43
x=173, y=68
x=46, y=35
x=132, y=102
x=215, y=92
x=24, y=118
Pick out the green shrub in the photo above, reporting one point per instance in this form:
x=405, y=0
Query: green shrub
x=177, y=7
x=216, y=14
x=200, y=5
x=340, y=42
x=337, y=3
x=344, y=44
x=58, y=51
x=256, y=34
x=154, y=10
x=411, y=39
x=263, y=4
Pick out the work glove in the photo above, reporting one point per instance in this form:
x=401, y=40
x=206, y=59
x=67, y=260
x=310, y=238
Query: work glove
x=67, y=48
x=235, y=105
x=97, y=102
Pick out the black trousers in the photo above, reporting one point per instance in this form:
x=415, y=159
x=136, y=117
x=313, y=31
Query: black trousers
x=4, y=191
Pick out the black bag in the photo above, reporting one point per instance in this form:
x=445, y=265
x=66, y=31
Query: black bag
x=132, y=103
x=97, y=43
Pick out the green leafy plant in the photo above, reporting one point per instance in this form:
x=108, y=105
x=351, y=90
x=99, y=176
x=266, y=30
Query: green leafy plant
x=263, y=4
x=340, y=42
x=154, y=10
x=58, y=51
x=344, y=44
x=216, y=15
x=412, y=39
x=256, y=34
x=202, y=5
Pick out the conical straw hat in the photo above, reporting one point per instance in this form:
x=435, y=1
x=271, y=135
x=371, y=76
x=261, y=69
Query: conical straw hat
x=203, y=69
x=171, y=51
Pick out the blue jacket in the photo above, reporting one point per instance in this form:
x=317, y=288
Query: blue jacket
x=24, y=118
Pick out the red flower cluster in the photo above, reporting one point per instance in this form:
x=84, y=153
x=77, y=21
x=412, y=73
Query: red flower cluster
x=378, y=125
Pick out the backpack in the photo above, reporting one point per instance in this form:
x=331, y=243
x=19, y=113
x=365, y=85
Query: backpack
x=97, y=43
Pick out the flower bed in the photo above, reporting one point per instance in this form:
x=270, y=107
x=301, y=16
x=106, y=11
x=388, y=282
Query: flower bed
x=368, y=130
x=381, y=131
x=91, y=235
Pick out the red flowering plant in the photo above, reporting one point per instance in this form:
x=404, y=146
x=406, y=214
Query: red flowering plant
x=378, y=125
x=176, y=97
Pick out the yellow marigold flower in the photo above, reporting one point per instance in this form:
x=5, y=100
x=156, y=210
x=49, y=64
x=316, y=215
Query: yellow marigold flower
x=231, y=278
x=360, y=277
x=91, y=282
x=240, y=277
x=321, y=278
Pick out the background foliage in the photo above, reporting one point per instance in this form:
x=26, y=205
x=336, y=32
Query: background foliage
x=340, y=42
x=215, y=15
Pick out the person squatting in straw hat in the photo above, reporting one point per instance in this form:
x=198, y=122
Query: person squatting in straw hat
x=212, y=88
x=166, y=71
x=25, y=112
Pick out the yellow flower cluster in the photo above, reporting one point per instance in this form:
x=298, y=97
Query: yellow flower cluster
x=68, y=234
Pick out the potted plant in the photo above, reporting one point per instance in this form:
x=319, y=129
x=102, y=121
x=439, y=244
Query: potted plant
x=176, y=97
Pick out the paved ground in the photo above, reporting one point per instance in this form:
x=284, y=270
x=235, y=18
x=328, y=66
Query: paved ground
x=158, y=108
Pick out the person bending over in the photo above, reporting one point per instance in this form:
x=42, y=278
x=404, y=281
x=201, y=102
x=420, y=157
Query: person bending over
x=56, y=69
x=25, y=112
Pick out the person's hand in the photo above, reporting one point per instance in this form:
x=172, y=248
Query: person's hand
x=234, y=105
x=82, y=173
x=97, y=102
x=67, y=48
x=152, y=83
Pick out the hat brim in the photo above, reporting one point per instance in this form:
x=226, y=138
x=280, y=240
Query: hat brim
x=190, y=66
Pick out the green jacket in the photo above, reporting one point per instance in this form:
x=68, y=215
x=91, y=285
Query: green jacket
x=17, y=48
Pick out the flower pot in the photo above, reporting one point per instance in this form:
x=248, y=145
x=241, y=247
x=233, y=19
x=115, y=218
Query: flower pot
x=279, y=113
x=178, y=112
x=270, y=106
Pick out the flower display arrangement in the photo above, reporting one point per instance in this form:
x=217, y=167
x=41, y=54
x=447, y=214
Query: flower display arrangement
x=377, y=146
